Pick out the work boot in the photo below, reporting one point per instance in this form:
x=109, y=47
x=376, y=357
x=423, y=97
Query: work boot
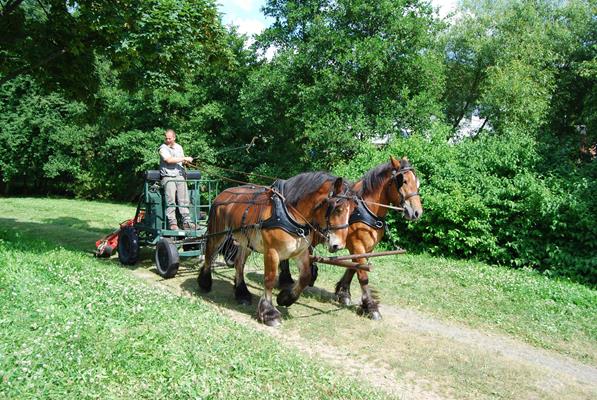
x=189, y=225
x=173, y=227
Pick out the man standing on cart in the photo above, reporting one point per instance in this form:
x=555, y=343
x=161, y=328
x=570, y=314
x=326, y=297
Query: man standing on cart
x=173, y=180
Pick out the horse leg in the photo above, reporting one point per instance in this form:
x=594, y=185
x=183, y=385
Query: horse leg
x=285, y=278
x=369, y=305
x=241, y=292
x=211, y=251
x=290, y=294
x=266, y=312
x=343, y=287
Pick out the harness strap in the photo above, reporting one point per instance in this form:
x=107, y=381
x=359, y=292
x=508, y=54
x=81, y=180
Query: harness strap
x=282, y=219
x=363, y=214
x=245, y=228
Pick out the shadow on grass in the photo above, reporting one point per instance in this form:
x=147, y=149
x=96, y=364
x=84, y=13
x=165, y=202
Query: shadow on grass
x=222, y=293
x=75, y=234
x=68, y=233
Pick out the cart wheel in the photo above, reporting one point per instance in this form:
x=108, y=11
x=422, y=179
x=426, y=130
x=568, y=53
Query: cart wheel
x=128, y=246
x=166, y=258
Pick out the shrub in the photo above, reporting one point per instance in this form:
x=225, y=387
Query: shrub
x=485, y=198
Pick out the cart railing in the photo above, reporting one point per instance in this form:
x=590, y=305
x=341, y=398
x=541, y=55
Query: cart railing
x=202, y=190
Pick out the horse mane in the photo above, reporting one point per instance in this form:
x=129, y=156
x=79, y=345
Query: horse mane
x=376, y=176
x=304, y=184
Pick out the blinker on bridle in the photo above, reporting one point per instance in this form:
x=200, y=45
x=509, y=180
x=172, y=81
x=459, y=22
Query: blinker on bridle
x=398, y=178
x=332, y=205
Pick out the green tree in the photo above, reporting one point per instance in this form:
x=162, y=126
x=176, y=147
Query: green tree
x=151, y=43
x=502, y=63
x=44, y=138
x=344, y=72
x=96, y=125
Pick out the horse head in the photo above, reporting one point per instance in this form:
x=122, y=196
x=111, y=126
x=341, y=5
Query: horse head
x=333, y=212
x=404, y=192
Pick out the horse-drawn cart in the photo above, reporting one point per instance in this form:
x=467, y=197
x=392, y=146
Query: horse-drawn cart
x=150, y=227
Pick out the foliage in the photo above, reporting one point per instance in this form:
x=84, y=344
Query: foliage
x=151, y=43
x=74, y=326
x=104, y=146
x=514, y=59
x=87, y=88
x=44, y=137
x=344, y=72
x=485, y=199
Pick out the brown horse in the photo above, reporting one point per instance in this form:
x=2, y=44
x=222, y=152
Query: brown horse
x=393, y=183
x=279, y=222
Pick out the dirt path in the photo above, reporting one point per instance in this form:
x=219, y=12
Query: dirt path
x=408, y=355
x=493, y=343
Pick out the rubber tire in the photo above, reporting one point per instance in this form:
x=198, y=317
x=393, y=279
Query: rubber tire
x=128, y=246
x=167, y=259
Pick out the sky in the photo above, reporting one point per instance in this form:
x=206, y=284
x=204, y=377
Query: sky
x=246, y=14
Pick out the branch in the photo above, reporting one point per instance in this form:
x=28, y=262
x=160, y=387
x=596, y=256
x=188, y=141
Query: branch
x=470, y=97
x=43, y=8
x=19, y=71
x=481, y=128
x=10, y=7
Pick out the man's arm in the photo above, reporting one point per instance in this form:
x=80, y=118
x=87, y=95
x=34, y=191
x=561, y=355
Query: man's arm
x=173, y=160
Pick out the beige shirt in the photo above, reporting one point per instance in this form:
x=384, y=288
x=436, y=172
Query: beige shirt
x=174, y=169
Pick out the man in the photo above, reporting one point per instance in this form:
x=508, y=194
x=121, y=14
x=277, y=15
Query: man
x=173, y=180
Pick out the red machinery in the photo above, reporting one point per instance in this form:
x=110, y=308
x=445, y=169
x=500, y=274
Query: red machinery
x=105, y=246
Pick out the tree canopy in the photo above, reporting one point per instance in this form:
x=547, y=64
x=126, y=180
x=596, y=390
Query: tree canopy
x=88, y=87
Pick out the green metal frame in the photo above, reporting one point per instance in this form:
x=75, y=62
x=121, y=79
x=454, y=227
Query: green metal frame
x=152, y=224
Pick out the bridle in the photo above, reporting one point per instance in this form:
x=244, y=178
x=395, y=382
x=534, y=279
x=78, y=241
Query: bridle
x=333, y=202
x=398, y=178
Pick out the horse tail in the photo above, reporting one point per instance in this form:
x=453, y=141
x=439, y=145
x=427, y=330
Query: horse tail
x=215, y=231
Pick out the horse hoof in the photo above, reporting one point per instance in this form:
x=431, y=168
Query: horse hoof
x=285, y=298
x=267, y=313
x=204, y=280
x=344, y=299
x=242, y=294
x=273, y=323
x=375, y=316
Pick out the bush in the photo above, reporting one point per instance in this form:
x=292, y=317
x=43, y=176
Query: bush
x=45, y=142
x=484, y=198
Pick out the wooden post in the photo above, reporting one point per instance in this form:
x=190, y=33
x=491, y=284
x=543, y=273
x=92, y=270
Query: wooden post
x=341, y=263
x=367, y=255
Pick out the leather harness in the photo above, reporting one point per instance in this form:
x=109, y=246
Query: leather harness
x=280, y=217
x=363, y=214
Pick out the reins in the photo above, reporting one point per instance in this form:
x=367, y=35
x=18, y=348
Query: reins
x=315, y=229
x=211, y=166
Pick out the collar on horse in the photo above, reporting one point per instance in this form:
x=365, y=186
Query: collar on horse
x=280, y=217
x=363, y=214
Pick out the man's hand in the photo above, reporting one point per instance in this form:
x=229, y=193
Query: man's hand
x=188, y=159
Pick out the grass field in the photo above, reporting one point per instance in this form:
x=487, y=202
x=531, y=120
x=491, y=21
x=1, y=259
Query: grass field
x=72, y=326
x=551, y=314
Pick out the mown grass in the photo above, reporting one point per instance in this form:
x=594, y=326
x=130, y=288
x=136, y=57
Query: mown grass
x=552, y=314
x=548, y=313
x=74, y=327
